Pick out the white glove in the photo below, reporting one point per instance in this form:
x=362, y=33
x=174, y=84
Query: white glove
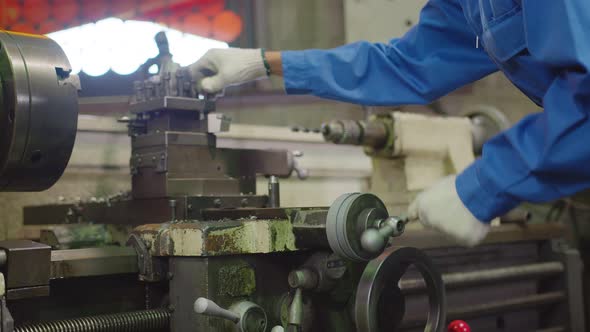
x=220, y=68
x=441, y=208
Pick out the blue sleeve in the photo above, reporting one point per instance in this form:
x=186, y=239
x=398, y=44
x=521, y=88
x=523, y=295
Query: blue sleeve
x=434, y=58
x=546, y=155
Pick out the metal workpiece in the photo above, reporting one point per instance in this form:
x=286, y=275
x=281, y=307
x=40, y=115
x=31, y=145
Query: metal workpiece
x=368, y=133
x=378, y=292
x=140, y=321
x=39, y=99
x=377, y=133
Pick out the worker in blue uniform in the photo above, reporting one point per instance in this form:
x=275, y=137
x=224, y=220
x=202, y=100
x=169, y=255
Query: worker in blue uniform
x=542, y=46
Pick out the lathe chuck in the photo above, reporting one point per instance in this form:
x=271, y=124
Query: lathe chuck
x=38, y=112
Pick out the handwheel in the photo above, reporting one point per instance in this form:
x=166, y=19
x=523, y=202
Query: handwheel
x=378, y=290
x=348, y=217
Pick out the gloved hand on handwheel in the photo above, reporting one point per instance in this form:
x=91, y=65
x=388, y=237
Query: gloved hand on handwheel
x=441, y=208
x=220, y=68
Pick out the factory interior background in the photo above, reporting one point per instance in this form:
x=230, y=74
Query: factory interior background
x=260, y=112
x=109, y=42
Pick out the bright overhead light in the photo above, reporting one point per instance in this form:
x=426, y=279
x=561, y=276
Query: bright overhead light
x=123, y=46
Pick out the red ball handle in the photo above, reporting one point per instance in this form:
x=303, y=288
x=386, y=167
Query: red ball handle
x=458, y=326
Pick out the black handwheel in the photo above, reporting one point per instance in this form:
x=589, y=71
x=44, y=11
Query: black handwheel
x=381, y=277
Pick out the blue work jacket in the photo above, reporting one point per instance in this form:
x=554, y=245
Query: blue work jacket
x=542, y=46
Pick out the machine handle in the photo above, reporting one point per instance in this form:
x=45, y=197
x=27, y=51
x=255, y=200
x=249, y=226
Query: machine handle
x=458, y=326
x=374, y=240
x=302, y=173
x=207, y=307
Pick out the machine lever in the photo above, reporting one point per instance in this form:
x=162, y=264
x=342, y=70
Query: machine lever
x=302, y=173
x=207, y=307
x=374, y=240
x=295, y=319
x=248, y=316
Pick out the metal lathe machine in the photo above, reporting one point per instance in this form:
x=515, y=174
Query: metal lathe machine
x=192, y=247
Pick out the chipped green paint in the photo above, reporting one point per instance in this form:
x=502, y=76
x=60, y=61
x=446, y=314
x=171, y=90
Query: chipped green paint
x=77, y=236
x=236, y=280
x=244, y=236
x=257, y=236
x=227, y=240
x=282, y=238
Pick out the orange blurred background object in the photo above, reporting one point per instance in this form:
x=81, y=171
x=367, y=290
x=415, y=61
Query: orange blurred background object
x=206, y=18
x=212, y=8
x=95, y=10
x=10, y=11
x=22, y=27
x=66, y=12
x=125, y=9
x=227, y=25
x=35, y=11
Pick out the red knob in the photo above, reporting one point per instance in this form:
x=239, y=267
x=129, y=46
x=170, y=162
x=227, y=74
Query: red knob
x=458, y=326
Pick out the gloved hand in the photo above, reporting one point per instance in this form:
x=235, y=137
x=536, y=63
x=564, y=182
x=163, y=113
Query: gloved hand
x=441, y=208
x=220, y=68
